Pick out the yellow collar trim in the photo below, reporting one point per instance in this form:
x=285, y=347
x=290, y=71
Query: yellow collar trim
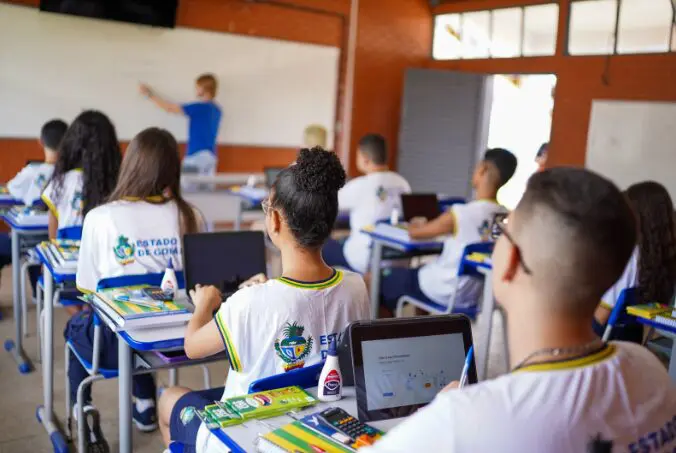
x=580, y=362
x=151, y=199
x=333, y=281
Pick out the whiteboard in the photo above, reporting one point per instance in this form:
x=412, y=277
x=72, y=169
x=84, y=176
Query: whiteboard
x=53, y=65
x=631, y=142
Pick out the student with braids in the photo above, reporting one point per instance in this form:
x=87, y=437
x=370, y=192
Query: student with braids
x=652, y=266
x=311, y=300
x=145, y=213
x=85, y=172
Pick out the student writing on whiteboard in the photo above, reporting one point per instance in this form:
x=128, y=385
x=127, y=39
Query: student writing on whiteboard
x=204, y=119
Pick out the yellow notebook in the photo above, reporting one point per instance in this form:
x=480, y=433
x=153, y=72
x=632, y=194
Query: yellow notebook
x=648, y=311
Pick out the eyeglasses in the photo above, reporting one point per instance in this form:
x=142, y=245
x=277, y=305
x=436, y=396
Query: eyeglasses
x=499, y=228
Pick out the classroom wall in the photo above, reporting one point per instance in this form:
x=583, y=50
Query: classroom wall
x=580, y=80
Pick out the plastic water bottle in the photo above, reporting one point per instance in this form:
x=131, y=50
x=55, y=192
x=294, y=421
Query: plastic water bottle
x=394, y=217
x=251, y=181
x=169, y=283
x=331, y=379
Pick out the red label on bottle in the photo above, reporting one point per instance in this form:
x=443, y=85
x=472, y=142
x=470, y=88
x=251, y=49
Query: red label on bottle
x=332, y=383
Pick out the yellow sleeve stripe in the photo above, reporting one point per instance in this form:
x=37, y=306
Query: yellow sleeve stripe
x=455, y=222
x=50, y=205
x=607, y=305
x=84, y=291
x=235, y=362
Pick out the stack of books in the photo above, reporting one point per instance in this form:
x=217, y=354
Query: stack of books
x=28, y=216
x=668, y=319
x=133, y=308
x=63, y=253
x=648, y=311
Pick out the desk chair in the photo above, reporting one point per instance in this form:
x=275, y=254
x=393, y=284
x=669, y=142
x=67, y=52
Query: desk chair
x=302, y=377
x=463, y=270
x=618, y=315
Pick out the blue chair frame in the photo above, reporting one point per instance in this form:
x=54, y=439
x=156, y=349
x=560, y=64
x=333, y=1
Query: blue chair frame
x=305, y=377
x=618, y=315
x=464, y=269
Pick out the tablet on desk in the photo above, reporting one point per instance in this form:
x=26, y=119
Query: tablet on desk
x=401, y=364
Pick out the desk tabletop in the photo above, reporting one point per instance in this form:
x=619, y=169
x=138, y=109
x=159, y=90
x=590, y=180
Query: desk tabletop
x=390, y=236
x=664, y=329
x=245, y=435
x=60, y=273
x=252, y=194
x=20, y=223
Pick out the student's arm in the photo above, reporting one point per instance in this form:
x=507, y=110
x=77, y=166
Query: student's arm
x=602, y=314
x=18, y=185
x=349, y=196
x=202, y=337
x=444, y=224
x=53, y=225
x=165, y=105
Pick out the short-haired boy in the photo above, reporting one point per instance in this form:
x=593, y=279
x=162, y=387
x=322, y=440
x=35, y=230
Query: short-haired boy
x=368, y=198
x=463, y=224
x=204, y=120
x=565, y=244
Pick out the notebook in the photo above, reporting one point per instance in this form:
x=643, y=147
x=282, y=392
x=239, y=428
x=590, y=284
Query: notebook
x=129, y=309
x=29, y=216
x=648, y=311
x=296, y=437
x=667, y=319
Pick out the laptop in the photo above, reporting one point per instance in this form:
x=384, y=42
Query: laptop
x=400, y=365
x=224, y=259
x=271, y=174
x=420, y=205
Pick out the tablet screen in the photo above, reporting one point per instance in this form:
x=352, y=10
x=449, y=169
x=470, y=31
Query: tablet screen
x=410, y=371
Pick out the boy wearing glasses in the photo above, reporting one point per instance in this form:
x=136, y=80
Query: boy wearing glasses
x=566, y=243
x=464, y=224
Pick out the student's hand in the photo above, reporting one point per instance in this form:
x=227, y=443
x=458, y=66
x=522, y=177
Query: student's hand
x=206, y=297
x=144, y=90
x=452, y=386
x=418, y=221
x=255, y=280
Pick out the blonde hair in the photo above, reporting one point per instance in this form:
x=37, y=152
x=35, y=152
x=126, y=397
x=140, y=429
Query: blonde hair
x=208, y=83
x=315, y=135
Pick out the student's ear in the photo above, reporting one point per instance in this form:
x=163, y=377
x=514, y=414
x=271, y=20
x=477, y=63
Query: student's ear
x=512, y=264
x=276, y=222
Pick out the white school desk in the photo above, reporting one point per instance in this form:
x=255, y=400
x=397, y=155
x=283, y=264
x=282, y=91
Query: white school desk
x=244, y=436
x=249, y=197
x=226, y=179
x=51, y=274
x=7, y=200
x=669, y=332
x=19, y=233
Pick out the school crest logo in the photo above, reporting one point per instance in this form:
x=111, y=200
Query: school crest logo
x=294, y=348
x=485, y=231
x=41, y=181
x=381, y=193
x=77, y=202
x=124, y=251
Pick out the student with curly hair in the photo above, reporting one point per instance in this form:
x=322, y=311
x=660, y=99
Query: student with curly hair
x=85, y=172
x=311, y=301
x=652, y=266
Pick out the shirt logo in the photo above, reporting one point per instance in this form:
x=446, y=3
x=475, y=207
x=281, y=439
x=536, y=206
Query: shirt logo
x=41, y=181
x=77, y=202
x=485, y=231
x=124, y=251
x=381, y=193
x=293, y=349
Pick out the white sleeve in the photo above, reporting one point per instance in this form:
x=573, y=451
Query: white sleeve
x=349, y=195
x=88, y=274
x=48, y=198
x=20, y=184
x=232, y=320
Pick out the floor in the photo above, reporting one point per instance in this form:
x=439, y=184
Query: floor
x=20, y=430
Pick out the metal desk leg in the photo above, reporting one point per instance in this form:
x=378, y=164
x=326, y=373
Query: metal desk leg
x=485, y=325
x=238, y=218
x=16, y=346
x=376, y=256
x=672, y=362
x=124, y=394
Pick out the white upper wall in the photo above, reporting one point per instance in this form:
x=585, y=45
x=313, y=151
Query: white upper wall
x=56, y=66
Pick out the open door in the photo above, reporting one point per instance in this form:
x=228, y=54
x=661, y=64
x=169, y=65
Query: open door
x=444, y=129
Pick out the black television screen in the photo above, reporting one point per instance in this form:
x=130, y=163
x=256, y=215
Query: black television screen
x=160, y=13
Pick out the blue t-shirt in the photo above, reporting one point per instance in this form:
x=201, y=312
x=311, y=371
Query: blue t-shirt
x=204, y=118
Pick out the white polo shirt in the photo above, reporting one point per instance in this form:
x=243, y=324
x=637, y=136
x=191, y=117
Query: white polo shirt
x=628, y=279
x=437, y=279
x=29, y=183
x=66, y=206
x=622, y=394
x=283, y=325
x=369, y=198
x=129, y=238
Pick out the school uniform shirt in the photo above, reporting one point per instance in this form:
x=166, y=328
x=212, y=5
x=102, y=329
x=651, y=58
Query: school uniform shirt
x=628, y=279
x=437, y=279
x=621, y=394
x=68, y=205
x=369, y=198
x=128, y=238
x=283, y=325
x=204, y=119
x=29, y=183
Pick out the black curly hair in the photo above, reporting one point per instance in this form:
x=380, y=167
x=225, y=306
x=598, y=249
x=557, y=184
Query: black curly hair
x=90, y=143
x=306, y=194
x=657, y=241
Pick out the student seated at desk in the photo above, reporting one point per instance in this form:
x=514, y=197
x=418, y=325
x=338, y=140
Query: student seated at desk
x=311, y=302
x=85, y=172
x=562, y=248
x=29, y=183
x=652, y=266
x=144, y=213
x=368, y=198
x=466, y=224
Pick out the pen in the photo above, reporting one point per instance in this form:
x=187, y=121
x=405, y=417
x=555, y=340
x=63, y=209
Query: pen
x=465, y=369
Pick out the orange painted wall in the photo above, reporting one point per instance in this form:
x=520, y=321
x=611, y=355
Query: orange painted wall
x=580, y=80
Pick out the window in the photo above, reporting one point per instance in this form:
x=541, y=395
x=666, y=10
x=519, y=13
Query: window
x=499, y=33
x=540, y=26
x=605, y=27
